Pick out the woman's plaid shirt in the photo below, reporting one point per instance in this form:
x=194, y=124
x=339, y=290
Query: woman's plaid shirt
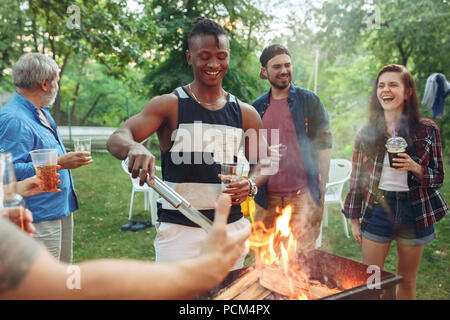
x=427, y=202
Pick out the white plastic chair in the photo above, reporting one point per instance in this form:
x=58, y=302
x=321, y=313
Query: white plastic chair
x=150, y=195
x=339, y=174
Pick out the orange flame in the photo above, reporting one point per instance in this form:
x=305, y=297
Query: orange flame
x=276, y=247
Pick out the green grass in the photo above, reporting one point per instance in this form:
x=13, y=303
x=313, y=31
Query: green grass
x=104, y=192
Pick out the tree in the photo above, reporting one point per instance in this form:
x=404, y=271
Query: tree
x=107, y=32
x=100, y=98
x=411, y=33
x=12, y=35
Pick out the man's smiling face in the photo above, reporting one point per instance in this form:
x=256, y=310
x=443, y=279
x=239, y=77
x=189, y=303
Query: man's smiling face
x=279, y=71
x=209, y=61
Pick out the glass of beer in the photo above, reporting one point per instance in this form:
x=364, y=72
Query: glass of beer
x=45, y=162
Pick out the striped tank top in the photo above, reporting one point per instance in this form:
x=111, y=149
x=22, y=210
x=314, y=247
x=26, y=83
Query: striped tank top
x=202, y=141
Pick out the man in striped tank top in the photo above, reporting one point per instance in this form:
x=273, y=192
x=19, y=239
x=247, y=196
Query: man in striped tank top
x=199, y=126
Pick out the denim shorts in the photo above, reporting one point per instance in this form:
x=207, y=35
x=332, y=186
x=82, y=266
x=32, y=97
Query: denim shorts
x=398, y=223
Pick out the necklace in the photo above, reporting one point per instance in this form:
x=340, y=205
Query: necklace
x=193, y=95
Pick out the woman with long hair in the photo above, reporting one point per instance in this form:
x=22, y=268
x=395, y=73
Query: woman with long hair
x=399, y=202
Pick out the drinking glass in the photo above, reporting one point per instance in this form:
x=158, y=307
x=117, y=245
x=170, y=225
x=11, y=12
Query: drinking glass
x=230, y=173
x=9, y=196
x=82, y=145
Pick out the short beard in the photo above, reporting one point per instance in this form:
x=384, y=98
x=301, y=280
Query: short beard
x=49, y=97
x=277, y=86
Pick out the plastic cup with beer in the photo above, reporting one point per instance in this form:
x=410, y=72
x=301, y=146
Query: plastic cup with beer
x=45, y=162
x=395, y=146
x=82, y=145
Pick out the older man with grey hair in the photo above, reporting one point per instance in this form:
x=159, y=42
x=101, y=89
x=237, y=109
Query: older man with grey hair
x=26, y=125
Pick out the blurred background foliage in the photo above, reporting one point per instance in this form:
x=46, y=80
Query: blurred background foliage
x=126, y=52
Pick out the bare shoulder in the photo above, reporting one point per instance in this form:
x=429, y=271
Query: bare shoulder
x=250, y=117
x=154, y=115
x=161, y=105
x=18, y=253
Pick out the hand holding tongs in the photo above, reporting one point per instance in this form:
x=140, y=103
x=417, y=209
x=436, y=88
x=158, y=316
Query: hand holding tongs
x=178, y=202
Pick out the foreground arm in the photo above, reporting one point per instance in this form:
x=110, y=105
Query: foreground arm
x=27, y=271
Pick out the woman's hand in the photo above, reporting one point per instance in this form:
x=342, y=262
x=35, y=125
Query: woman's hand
x=355, y=224
x=32, y=186
x=405, y=163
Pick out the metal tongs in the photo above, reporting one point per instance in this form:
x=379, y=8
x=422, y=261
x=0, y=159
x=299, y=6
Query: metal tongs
x=179, y=203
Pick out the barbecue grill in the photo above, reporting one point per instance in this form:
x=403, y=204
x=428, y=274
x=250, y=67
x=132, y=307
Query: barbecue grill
x=349, y=276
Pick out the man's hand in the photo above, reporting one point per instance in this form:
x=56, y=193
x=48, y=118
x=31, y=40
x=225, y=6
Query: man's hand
x=238, y=190
x=223, y=247
x=73, y=160
x=140, y=163
x=20, y=217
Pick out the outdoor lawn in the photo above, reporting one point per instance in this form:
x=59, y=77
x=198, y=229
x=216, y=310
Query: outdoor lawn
x=104, y=192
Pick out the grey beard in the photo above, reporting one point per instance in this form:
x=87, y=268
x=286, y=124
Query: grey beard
x=49, y=98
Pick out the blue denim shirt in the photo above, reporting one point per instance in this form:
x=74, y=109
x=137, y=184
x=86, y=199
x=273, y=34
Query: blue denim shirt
x=312, y=127
x=22, y=131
